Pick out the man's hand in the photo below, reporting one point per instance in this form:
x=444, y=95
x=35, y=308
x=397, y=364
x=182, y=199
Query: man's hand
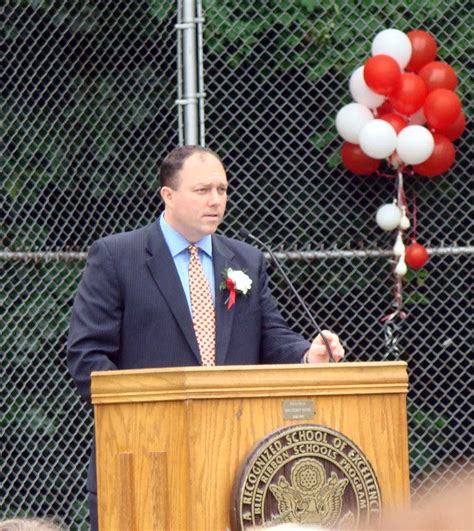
x=318, y=352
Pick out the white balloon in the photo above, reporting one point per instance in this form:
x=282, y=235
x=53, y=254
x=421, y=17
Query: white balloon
x=399, y=247
x=415, y=144
x=401, y=268
x=388, y=217
x=378, y=139
x=417, y=118
x=394, y=43
x=404, y=222
x=361, y=93
x=351, y=119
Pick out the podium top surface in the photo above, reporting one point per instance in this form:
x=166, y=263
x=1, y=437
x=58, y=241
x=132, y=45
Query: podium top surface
x=184, y=383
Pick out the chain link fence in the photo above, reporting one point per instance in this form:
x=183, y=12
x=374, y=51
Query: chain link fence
x=89, y=112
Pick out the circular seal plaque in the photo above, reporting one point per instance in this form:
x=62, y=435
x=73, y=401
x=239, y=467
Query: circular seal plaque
x=307, y=474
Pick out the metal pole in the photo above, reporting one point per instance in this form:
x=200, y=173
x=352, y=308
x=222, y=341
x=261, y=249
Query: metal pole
x=179, y=62
x=191, y=134
x=292, y=256
x=200, y=58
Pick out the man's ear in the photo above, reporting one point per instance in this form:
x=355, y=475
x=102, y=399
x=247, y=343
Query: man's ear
x=166, y=194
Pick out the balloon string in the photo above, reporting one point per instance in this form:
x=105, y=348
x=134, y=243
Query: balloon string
x=397, y=293
x=397, y=290
x=413, y=237
x=381, y=174
x=402, y=200
x=401, y=195
x=392, y=349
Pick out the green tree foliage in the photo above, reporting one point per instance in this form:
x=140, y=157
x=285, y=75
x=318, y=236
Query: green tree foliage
x=89, y=88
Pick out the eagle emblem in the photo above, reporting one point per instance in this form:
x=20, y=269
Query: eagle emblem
x=311, y=498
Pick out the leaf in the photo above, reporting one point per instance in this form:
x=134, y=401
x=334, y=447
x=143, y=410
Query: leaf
x=335, y=159
x=309, y=5
x=416, y=298
x=160, y=9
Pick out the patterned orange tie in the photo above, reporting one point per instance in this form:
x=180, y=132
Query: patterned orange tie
x=204, y=316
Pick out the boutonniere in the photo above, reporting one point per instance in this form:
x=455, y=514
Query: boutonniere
x=235, y=282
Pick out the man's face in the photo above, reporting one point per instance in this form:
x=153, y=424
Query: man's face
x=197, y=206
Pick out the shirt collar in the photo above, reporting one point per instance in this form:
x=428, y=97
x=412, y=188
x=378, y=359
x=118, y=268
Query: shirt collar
x=177, y=243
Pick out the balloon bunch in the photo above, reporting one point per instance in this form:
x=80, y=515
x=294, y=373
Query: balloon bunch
x=405, y=112
x=396, y=92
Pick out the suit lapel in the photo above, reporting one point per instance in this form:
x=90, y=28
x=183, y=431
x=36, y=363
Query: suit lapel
x=163, y=271
x=221, y=256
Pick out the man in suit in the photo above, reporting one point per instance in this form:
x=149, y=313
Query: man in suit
x=141, y=298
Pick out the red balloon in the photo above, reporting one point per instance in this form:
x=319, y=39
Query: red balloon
x=441, y=108
x=423, y=47
x=410, y=94
x=385, y=108
x=396, y=121
x=440, y=160
x=356, y=161
x=456, y=129
x=382, y=74
x=416, y=255
x=438, y=74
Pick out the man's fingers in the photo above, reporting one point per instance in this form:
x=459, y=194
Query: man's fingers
x=330, y=336
x=319, y=347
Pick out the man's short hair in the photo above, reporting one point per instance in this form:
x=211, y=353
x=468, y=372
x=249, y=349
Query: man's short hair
x=29, y=524
x=174, y=161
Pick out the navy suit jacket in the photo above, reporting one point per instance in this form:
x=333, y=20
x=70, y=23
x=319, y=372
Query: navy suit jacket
x=130, y=311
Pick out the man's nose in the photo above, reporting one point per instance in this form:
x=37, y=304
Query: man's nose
x=214, y=197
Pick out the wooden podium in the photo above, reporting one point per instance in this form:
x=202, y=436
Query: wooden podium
x=170, y=441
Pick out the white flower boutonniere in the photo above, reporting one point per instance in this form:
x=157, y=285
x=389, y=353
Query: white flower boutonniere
x=235, y=282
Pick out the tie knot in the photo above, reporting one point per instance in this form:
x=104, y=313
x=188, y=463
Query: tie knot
x=193, y=251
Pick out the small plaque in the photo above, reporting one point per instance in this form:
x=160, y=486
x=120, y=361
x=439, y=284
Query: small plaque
x=298, y=409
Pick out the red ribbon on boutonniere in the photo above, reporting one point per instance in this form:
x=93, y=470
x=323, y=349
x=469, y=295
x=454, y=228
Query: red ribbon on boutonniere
x=236, y=282
x=232, y=293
